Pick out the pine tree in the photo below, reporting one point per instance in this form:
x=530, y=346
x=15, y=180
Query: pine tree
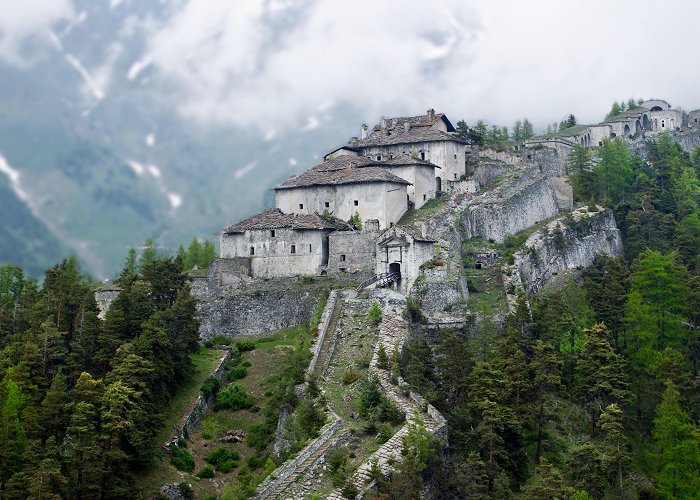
x=13, y=440
x=528, y=130
x=677, y=443
x=611, y=424
x=547, y=369
x=207, y=255
x=603, y=379
x=54, y=405
x=148, y=254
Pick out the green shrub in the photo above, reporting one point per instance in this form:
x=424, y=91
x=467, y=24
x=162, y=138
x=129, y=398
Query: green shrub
x=186, y=491
x=255, y=461
x=210, y=387
x=234, y=397
x=349, y=489
x=471, y=287
x=388, y=411
x=349, y=376
x=385, y=433
x=223, y=459
x=259, y=436
x=374, y=314
x=245, y=345
x=181, y=459
x=206, y=472
x=236, y=372
x=382, y=358
x=218, y=340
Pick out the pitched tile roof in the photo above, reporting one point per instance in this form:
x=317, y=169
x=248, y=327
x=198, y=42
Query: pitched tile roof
x=399, y=135
x=274, y=218
x=344, y=169
x=406, y=159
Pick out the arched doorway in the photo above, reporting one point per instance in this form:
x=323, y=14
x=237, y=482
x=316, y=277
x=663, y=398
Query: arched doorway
x=645, y=121
x=438, y=184
x=627, y=129
x=395, y=267
x=656, y=108
x=637, y=128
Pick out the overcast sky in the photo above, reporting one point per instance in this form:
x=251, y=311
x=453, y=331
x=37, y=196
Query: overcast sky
x=277, y=63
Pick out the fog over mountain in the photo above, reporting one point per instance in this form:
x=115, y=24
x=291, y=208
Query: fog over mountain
x=127, y=119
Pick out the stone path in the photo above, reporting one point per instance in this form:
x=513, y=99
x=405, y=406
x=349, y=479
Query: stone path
x=392, y=334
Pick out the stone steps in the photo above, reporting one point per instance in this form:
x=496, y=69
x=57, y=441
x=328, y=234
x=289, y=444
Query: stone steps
x=325, y=351
x=278, y=492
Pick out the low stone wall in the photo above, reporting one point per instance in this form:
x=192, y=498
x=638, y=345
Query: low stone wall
x=351, y=251
x=286, y=469
x=194, y=417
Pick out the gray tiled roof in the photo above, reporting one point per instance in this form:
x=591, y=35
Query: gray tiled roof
x=406, y=159
x=274, y=218
x=399, y=135
x=344, y=169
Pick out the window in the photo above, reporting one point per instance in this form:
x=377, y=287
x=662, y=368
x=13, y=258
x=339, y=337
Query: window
x=424, y=196
x=252, y=250
x=294, y=249
x=327, y=204
x=379, y=157
x=272, y=233
x=341, y=269
x=422, y=155
x=342, y=258
x=391, y=224
x=455, y=176
x=356, y=202
x=309, y=247
x=301, y=206
x=455, y=156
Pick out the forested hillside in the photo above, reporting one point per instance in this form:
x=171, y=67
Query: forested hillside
x=591, y=391
x=81, y=399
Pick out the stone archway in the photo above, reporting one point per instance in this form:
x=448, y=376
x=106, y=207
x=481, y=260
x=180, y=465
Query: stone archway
x=646, y=123
x=627, y=130
x=438, y=184
x=637, y=128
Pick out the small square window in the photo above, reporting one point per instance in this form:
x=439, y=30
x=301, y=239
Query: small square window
x=379, y=157
x=455, y=156
x=357, y=202
x=252, y=250
x=294, y=249
x=272, y=233
x=422, y=155
x=342, y=258
x=327, y=204
x=341, y=269
x=301, y=206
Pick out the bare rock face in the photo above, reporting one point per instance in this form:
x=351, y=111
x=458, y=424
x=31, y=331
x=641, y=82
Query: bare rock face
x=569, y=242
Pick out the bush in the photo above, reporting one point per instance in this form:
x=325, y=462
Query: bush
x=186, y=491
x=385, y=433
x=374, y=314
x=206, y=472
x=259, y=436
x=349, y=376
x=337, y=459
x=245, y=345
x=349, y=489
x=210, y=387
x=471, y=287
x=218, y=340
x=223, y=459
x=236, y=372
x=234, y=397
x=382, y=358
x=181, y=459
x=388, y=411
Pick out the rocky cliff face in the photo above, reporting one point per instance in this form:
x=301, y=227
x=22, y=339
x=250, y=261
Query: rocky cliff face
x=569, y=242
x=516, y=205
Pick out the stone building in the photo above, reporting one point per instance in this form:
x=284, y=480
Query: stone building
x=428, y=137
x=343, y=186
x=403, y=250
x=279, y=244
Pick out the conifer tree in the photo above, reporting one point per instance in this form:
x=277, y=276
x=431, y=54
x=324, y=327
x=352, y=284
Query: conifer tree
x=547, y=369
x=611, y=425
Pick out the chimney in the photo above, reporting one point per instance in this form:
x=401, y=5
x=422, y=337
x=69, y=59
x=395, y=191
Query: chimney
x=363, y=132
x=431, y=113
x=353, y=140
x=383, y=122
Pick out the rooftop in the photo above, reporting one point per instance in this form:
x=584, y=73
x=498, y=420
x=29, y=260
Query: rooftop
x=344, y=169
x=274, y=218
x=626, y=115
x=406, y=159
x=399, y=135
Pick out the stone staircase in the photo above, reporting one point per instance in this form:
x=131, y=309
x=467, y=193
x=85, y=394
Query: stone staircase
x=393, y=331
x=327, y=346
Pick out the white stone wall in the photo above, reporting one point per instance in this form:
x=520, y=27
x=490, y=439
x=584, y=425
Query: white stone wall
x=410, y=255
x=694, y=119
x=599, y=133
x=666, y=120
x=422, y=179
x=448, y=155
x=272, y=256
x=384, y=201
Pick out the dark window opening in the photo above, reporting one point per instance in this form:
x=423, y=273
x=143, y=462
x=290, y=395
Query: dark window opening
x=327, y=204
x=391, y=224
x=455, y=156
x=356, y=202
x=272, y=233
x=252, y=250
x=294, y=249
x=301, y=206
x=341, y=269
x=342, y=258
x=379, y=157
x=424, y=197
x=309, y=247
x=422, y=155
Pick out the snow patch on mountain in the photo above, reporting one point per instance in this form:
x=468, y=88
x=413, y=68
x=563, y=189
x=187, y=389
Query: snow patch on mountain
x=137, y=167
x=13, y=176
x=245, y=169
x=175, y=200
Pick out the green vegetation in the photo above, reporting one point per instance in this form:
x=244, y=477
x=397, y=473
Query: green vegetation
x=374, y=314
x=182, y=459
x=587, y=391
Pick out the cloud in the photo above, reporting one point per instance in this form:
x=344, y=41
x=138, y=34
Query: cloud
x=271, y=64
x=28, y=20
